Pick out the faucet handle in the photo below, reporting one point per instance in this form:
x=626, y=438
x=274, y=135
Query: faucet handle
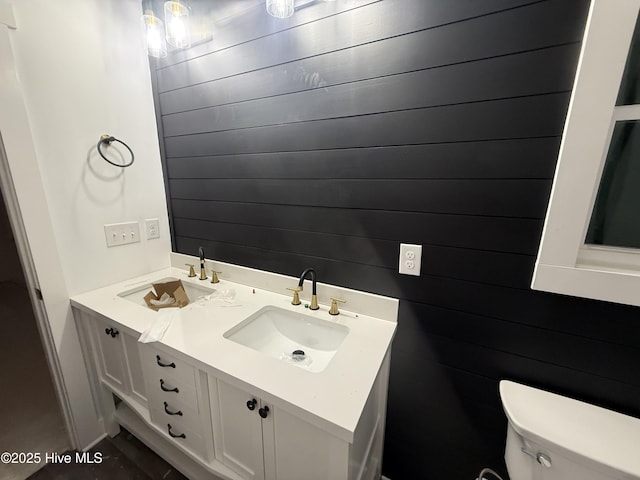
x=192, y=272
x=334, y=305
x=214, y=276
x=296, y=297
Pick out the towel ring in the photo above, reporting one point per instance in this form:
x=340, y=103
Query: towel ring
x=108, y=139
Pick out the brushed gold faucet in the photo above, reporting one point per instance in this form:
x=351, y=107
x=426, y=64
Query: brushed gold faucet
x=214, y=276
x=334, y=305
x=203, y=272
x=296, y=297
x=314, y=297
x=192, y=272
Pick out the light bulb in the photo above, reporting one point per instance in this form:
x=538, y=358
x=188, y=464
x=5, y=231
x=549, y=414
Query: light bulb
x=176, y=19
x=154, y=41
x=280, y=8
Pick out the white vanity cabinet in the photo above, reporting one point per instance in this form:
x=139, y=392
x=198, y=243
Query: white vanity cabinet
x=263, y=441
x=213, y=409
x=221, y=423
x=239, y=428
x=117, y=358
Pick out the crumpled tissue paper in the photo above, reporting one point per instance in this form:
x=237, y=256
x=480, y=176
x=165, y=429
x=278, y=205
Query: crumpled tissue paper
x=163, y=301
x=160, y=325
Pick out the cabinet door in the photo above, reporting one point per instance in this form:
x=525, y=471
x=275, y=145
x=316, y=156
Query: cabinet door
x=136, y=377
x=238, y=430
x=111, y=355
x=295, y=449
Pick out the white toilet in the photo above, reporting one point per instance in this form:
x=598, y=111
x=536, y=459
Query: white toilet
x=551, y=437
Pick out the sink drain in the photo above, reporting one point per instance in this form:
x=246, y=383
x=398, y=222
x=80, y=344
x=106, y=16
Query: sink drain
x=298, y=355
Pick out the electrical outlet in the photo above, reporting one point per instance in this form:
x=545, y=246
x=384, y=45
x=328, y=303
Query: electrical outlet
x=410, y=259
x=152, y=228
x=122, y=233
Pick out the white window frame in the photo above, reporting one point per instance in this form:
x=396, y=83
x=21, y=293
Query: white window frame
x=565, y=264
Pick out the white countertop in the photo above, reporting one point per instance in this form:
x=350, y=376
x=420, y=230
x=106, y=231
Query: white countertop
x=332, y=399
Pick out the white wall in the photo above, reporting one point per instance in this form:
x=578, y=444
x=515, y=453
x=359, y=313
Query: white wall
x=70, y=72
x=84, y=72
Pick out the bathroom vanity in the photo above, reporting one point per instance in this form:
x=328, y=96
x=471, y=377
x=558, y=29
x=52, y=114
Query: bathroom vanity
x=214, y=397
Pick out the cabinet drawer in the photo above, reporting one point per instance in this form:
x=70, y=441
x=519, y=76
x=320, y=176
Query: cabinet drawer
x=158, y=363
x=181, y=435
x=175, y=391
x=174, y=412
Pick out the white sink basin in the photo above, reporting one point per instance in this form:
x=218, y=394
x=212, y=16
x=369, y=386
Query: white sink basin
x=279, y=333
x=136, y=294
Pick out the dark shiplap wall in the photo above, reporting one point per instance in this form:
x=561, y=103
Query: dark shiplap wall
x=327, y=139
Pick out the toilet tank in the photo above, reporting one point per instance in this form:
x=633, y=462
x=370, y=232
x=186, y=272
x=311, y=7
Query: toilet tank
x=551, y=437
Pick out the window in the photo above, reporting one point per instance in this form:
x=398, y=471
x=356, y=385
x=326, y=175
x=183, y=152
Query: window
x=614, y=218
x=591, y=240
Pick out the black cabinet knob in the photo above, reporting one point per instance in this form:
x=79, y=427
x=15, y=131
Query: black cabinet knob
x=263, y=412
x=111, y=331
x=251, y=404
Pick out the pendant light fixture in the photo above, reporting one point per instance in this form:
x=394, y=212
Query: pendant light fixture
x=280, y=8
x=154, y=40
x=176, y=20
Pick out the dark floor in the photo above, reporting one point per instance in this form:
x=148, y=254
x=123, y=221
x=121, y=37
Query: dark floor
x=123, y=457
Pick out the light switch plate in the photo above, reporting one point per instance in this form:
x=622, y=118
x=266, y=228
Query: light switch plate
x=410, y=260
x=122, y=233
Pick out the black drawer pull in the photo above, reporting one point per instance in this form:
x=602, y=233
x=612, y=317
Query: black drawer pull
x=264, y=411
x=111, y=331
x=251, y=404
x=172, y=365
x=182, y=435
x=165, y=389
x=169, y=412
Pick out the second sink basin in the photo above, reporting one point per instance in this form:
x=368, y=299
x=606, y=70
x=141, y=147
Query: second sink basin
x=302, y=340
